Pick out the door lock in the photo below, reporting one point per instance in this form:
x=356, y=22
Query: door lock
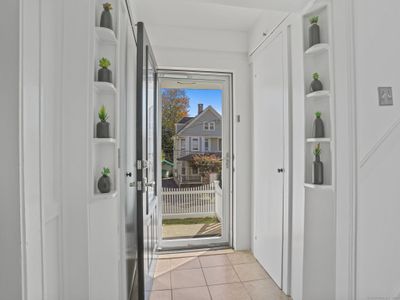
x=128, y=174
x=281, y=170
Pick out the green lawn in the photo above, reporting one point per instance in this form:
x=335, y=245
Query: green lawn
x=190, y=221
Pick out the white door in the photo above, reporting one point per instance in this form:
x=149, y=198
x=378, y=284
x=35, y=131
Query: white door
x=269, y=157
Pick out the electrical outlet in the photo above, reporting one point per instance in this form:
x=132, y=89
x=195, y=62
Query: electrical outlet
x=385, y=96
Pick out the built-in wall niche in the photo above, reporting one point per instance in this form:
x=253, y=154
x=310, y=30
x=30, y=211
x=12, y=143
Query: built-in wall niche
x=317, y=63
x=318, y=59
x=105, y=50
x=322, y=105
x=114, y=13
x=323, y=21
x=104, y=157
x=106, y=97
x=326, y=158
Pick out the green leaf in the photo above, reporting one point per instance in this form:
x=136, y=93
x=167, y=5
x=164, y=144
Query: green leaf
x=318, y=114
x=106, y=171
x=315, y=76
x=314, y=19
x=104, y=63
x=103, y=116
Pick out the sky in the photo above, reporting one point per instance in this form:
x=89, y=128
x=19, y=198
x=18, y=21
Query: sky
x=207, y=97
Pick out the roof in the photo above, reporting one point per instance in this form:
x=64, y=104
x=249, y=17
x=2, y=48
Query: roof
x=184, y=120
x=191, y=120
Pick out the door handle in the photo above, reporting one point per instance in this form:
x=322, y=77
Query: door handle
x=150, y=184
x=281, y=170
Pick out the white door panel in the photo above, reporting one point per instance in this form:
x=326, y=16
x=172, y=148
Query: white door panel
x=269, y=157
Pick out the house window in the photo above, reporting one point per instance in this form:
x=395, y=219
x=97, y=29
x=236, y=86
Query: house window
x=183, y=144
x=195, y=144
x=220, y=145
x=183, y=171
x=195, y=171
x=209, y=126
x=212, y=126
x=206, y=145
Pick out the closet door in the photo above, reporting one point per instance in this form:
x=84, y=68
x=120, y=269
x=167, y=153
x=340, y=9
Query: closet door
x=269, y=157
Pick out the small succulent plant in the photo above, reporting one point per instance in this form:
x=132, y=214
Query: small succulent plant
x=314, y=19
x=103, y=116
x=106, y=172
x=315, y=76
x=317, y=150
x=107, y=6
x=318, y=114
x=104, y=63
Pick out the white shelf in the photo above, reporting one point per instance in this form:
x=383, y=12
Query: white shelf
x=105, y=35
x=317, y=49
x=318, y=95
x=318, y=140
x=110, y=195
x=105, y=87
x=104, y=141
x=318, y=186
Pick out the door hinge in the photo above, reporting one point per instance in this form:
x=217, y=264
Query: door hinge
x=139, y=164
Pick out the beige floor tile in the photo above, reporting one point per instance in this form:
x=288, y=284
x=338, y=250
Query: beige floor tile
x=162, y=266
x=162, y=282
x=185, y=263
x=187, y=278
x=231, y=291
x=197, y=293
x=249, y=272
x=161, y=295
x=264, y=290
x=220, y=275
x=241, y=257
x=214, y=260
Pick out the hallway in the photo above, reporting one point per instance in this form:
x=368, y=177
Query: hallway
x=212, y=275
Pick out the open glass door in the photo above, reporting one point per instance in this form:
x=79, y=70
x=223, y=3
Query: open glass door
x=196, y=141
x=146, y=160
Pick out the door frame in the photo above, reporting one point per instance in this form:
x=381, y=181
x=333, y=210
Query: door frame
x=199, y=243
x=285, y=31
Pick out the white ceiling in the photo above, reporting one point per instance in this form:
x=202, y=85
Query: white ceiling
x=236, y=15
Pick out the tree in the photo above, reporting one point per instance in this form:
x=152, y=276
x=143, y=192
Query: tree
x=175, y=106
x=207, y=164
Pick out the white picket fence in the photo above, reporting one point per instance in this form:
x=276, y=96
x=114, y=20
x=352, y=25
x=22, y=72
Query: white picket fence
x=189, y=202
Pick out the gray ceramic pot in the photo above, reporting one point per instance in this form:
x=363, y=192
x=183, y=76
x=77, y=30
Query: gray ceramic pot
x=103, y=130
x=104, y=75
x=316, y=85
x=314, y=35
x=104, y=184
x=106, y=19
x=318, y=171
x=318, y=128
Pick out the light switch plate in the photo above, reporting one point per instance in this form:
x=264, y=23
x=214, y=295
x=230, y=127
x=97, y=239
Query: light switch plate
x=385, y=96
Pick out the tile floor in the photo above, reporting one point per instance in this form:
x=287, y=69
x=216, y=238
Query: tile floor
x=213, y=275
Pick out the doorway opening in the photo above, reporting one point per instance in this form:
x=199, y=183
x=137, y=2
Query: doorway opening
x=196, y=150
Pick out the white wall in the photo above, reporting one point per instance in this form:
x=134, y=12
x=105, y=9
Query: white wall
x=224, y=51
x=377, y=64
x=10, y=227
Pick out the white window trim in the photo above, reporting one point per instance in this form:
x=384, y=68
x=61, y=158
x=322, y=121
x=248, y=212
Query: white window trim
x=220, y=145
x=206, y=126
x=198, y=144
x=213, y=126
x=206, y=149
x=183, y=144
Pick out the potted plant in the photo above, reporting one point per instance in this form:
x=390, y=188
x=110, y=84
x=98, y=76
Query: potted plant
x=104, y=183
x=318, y=126
x=104, y=73
x=106, y=18
x=103, y=127
x=314, y=32
x=318, y=167
x=316, y=84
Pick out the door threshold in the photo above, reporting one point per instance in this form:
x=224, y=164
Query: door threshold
x=193, y=249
